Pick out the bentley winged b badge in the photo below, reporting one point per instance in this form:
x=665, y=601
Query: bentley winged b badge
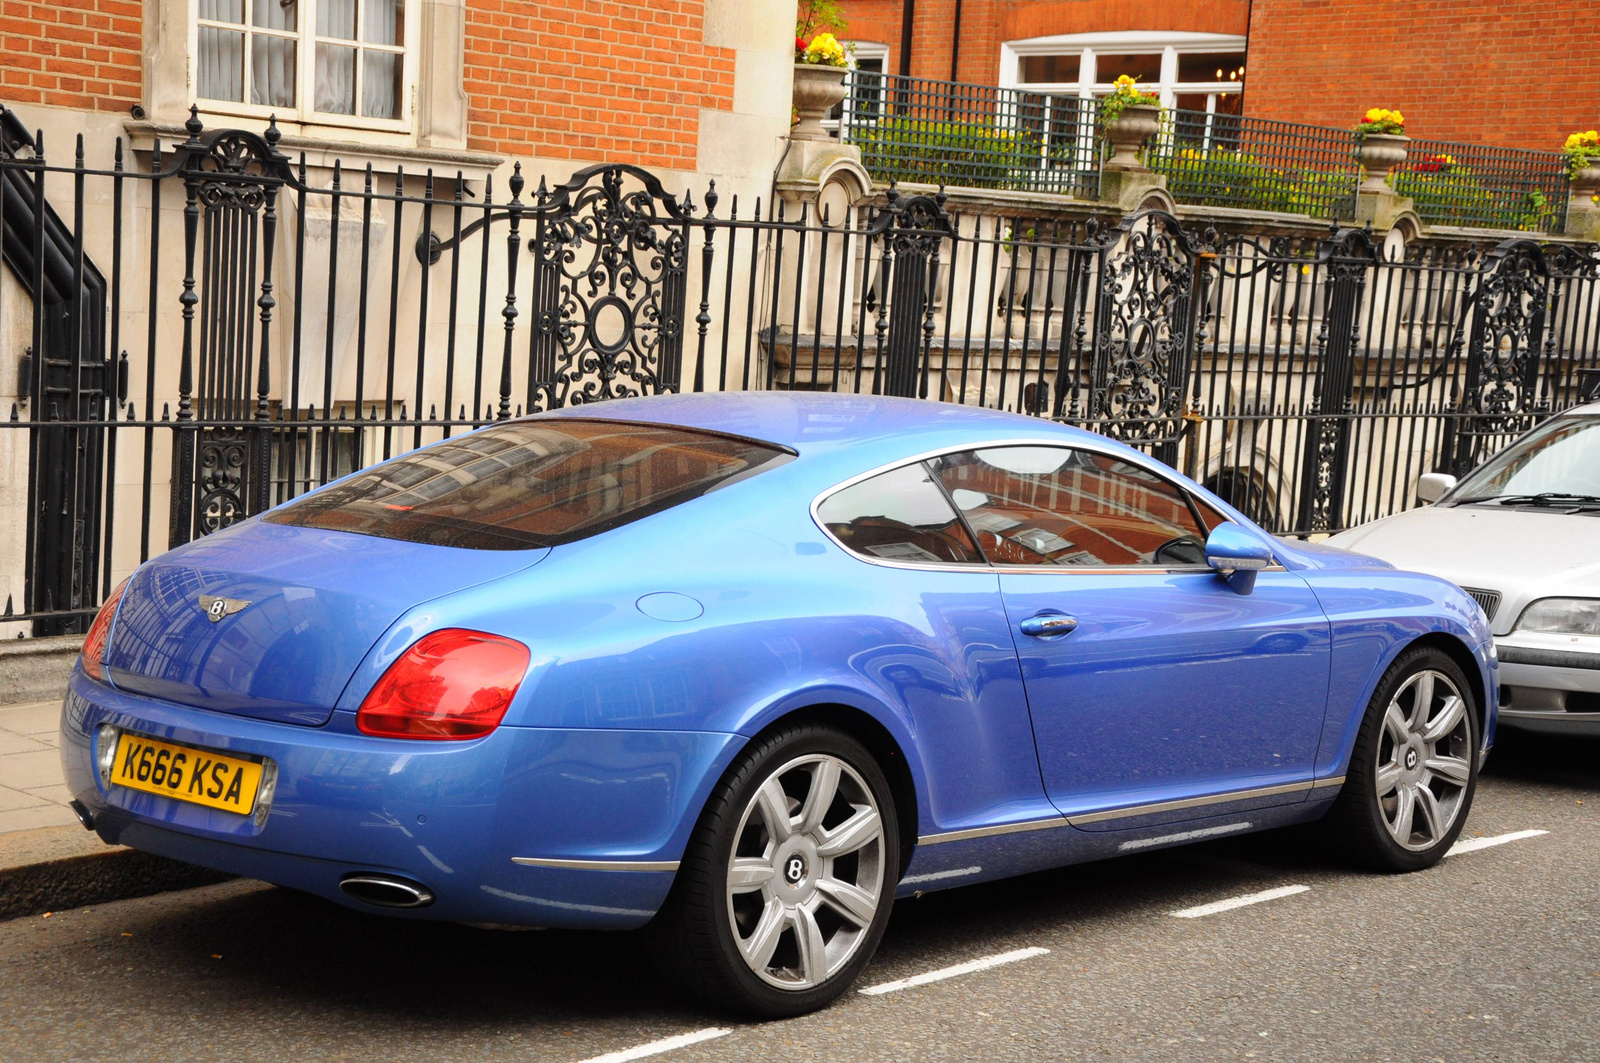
x=217, y=608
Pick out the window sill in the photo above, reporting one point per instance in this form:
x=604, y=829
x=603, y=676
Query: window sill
x=355, y=147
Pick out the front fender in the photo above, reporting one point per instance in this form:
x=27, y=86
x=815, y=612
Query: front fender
x=1374, y=618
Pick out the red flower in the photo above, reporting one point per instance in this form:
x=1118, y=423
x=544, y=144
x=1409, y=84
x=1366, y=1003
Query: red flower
x=801, y=44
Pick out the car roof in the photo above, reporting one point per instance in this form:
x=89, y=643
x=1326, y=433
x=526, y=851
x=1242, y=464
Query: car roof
x=1588, y=409
x=814, y=424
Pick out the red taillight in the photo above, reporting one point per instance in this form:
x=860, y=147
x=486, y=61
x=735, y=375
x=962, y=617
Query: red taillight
x=452, y=684
x=94, y=643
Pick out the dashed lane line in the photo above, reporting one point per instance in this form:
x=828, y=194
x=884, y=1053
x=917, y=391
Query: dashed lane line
x=1238, y=902
x=952, y=972
x=666, y=1044
x=1472, y=845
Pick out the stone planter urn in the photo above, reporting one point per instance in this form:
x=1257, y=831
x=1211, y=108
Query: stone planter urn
x=1585, y=185
x=817, y=87
x=1379, y=153
x=1134, y=126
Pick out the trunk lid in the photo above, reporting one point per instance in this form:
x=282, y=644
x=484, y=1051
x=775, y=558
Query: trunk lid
x=269, y=620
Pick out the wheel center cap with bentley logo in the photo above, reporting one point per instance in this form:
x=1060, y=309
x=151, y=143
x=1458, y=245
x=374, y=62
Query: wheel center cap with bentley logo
x=216, y=608
x=1411, y=760
x=794, y=869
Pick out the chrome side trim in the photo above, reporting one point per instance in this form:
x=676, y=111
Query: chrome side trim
x=597, y=865
x=989, y=832
x=1128, y=811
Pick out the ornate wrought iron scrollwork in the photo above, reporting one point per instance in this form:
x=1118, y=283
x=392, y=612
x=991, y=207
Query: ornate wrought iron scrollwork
x=610, y=271
x=1507, y=339
x=223, y=456
x=1345, y=260
x=231, y=178
x=917, y=229
x=1143, y=329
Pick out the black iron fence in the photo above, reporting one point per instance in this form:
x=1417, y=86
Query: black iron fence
x=1485, y=187
x=978, y=136
x=1226, y=160
x=215, y=328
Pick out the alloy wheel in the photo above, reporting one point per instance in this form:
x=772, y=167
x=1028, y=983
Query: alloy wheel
x=806, y=876
x=1424, y=760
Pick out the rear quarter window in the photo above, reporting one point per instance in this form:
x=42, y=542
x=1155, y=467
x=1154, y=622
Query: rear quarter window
x=527, y=484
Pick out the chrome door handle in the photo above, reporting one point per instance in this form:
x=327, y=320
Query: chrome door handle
x=1048, y=625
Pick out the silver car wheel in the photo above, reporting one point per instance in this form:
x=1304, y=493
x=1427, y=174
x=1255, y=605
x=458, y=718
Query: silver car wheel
x=1424, y=760
x=807, y=872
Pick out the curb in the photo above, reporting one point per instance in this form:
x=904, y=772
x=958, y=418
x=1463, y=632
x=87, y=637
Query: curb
x=40, y=872
x=36, y=669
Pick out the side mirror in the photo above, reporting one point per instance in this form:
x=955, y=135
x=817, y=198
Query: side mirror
x=1432, y=486
x=1237, y=556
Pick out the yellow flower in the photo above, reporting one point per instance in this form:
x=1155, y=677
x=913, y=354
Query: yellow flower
x=825, y=48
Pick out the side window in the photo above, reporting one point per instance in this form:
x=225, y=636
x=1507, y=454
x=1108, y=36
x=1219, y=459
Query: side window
x=900, y=515
x=1060, y=506
x=1208, y=516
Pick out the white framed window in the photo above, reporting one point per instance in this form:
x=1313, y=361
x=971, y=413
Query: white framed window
x=333, y=62
x=869, y=62
x=1191, y=71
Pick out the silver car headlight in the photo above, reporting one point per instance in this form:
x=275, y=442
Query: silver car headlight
x=1562, y=616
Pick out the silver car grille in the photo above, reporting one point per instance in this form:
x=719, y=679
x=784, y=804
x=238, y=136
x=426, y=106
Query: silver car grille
x=1489, y=600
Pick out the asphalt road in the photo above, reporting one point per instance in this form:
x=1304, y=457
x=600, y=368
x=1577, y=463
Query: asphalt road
x=1495, y=954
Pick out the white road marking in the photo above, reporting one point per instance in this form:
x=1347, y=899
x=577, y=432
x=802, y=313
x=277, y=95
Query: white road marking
x=951, y=972
x=666, y=1044
x=1472, y=845
x=1238, y=902
x=935, y=876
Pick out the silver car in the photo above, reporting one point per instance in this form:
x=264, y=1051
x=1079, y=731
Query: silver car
x=1521, y=534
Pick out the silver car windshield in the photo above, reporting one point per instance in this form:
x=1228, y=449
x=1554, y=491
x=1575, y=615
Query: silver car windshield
x=1559, y=461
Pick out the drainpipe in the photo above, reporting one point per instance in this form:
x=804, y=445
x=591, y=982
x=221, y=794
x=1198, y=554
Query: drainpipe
x=908, y=10
x=955, y=41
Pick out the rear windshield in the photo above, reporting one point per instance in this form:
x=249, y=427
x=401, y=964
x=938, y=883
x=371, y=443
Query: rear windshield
x=526, y=484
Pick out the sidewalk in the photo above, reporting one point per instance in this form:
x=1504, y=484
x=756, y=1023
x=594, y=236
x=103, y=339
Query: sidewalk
x=32, y=792
x=48, y=862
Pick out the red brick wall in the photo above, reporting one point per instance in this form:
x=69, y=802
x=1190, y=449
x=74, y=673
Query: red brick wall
x=592, y=79
x=71, y=53
x=1051, y=17
x=986, y=24
x=1484, y=71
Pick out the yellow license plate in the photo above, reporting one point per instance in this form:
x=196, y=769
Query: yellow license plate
x=184, y=773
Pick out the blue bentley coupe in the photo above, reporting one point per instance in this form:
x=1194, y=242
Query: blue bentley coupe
x=746, y=667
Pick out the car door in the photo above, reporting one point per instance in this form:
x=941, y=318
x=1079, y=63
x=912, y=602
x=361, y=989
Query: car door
x=1156, y=691
x=926, y=626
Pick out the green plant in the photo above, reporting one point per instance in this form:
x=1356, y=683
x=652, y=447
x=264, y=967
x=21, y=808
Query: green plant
x=1232, y=177
x=1580, y=151
x=1383, y=121
x=816, y=28
x=819, y=16
x=967, y=153
x=1128, y=94
x=1453, y=193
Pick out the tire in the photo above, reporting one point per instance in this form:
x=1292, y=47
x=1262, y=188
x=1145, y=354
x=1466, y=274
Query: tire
x=750, y=906
x=1412, y=774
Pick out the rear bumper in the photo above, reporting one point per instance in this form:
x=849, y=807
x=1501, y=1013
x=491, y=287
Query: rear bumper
x=449, y=815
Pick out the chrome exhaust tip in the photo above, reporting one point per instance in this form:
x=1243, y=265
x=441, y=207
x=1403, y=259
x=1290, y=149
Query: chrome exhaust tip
x=81, y=810
x=385, y=891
